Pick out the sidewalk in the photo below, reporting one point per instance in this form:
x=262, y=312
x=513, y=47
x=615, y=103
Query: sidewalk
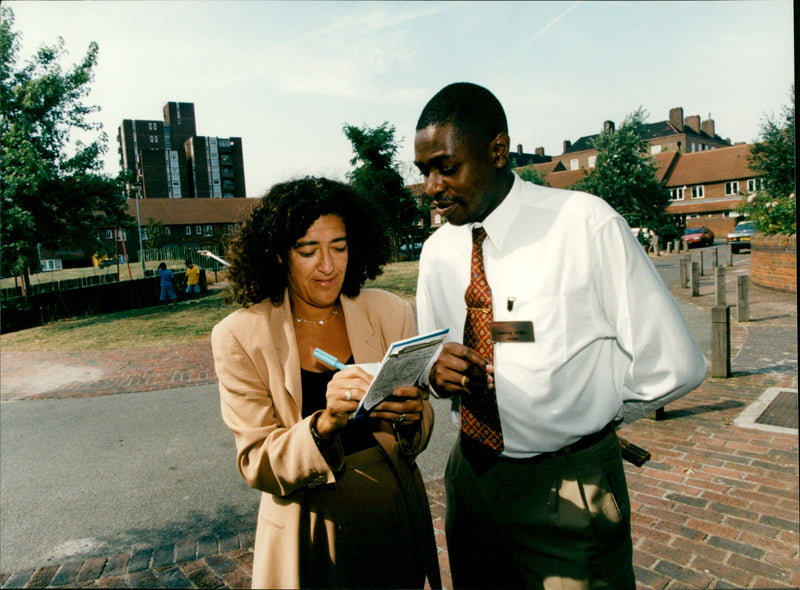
x=716, y=506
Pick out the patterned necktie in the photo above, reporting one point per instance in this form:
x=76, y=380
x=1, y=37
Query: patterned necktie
x=480, y=419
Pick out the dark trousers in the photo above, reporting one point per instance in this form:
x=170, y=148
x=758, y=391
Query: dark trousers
x=559, y=523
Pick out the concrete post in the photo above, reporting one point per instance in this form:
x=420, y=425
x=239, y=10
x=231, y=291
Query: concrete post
x=695, y=280
x=677, y=245
x=743, y=298
x=669, y=248
x=684, y=262
x=730, y=255
x=702, y=264
x=721, y=341
x=719, y=285
x=715, y=258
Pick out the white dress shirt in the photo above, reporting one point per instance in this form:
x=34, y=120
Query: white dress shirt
x=610, y=342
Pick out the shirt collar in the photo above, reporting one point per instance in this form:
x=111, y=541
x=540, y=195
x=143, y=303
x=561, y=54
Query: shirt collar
x=498, y=222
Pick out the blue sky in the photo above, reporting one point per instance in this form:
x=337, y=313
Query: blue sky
x=286, y=76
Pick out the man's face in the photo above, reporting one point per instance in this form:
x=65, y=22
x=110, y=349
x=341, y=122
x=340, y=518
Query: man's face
x=459, y=176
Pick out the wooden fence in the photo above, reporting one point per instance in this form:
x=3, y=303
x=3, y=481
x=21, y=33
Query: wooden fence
x=60, y=302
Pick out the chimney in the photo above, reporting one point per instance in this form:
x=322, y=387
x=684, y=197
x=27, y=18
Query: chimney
x=693, y=123
x=539, y=151
x=519, y=148
x=676, y=118
x=567, y=144
x=708, y=127
x=608, y=126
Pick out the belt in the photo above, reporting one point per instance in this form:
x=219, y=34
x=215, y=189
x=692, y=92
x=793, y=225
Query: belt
x=580, y=445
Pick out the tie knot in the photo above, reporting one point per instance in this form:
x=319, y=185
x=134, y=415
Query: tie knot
x=478, y=235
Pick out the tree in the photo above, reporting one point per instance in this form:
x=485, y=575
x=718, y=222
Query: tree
x=625, y=177
x=377, y=177
x=156, y=232
x=773, y=159
x=53, y=194
x=531, y=174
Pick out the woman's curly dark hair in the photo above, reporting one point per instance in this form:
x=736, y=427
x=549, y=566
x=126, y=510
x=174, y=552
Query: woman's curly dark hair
x=259, y=254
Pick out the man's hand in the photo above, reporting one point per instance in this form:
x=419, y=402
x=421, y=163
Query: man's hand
x=460, y=370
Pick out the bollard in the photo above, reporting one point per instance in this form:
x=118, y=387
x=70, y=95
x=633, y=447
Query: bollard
x=677, y=246
x=715, y=258
x=695, y=280
x=669, y=248
x=730, y=255
x=719, y=285
x=702, y=264
x=684, y=262
x=721, y=341
x=743, y=298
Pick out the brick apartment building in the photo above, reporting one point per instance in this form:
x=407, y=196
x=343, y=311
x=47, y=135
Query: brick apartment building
x=167, y=159
x=193, y=184
x=676, y=134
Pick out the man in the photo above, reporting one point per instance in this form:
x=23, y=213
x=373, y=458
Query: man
x=568, y=333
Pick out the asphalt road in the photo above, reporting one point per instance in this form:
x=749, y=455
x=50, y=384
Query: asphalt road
x=101, y=475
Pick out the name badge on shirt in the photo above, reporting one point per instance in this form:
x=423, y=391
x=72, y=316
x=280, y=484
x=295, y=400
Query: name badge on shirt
x=511, y=331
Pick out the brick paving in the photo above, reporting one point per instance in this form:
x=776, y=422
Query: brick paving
x=715, y=507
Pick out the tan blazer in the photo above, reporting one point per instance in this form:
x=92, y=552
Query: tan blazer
x=258, y=366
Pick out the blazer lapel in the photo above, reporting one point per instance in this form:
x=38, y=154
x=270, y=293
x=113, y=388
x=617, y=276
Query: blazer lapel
x=364, y=340
x=286, y=349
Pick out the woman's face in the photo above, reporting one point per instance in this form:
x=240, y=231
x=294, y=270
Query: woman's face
x=318, y=261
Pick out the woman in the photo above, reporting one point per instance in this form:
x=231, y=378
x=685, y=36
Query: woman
x=168, y=295
x=343, y=503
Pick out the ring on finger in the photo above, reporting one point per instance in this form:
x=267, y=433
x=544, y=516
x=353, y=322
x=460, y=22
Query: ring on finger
x=464, y=379
x=348, y=395
x=401, y=418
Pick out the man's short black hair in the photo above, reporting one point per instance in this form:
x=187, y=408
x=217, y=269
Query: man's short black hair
x=473, y=110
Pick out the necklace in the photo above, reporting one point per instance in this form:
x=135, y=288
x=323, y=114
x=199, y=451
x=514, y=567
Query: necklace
x=334, y=313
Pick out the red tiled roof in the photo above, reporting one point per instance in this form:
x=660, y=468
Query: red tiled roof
x=664, y=163
x=565, y=179
x=192, y=211
x=700, y=206
x=718, y=165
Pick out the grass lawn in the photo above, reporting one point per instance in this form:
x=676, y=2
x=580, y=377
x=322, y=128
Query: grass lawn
x=187, y=322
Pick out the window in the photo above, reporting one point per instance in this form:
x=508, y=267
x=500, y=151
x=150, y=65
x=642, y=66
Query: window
x=188, y=230
x=655, y=149
x=677, y=194
x=732, y=188
x=51, y=264
x=166, y=230
x=109, y=234
x=592, y=161
x=698, y=192
x=198, y=230
x=208, y=230
x=755, y=184
x=122, y=235
x=573, y=164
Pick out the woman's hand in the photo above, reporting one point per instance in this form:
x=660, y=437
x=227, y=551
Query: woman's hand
x=404, y=408
x=345, y=390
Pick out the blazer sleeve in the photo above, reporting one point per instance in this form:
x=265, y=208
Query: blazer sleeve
x=271, y=456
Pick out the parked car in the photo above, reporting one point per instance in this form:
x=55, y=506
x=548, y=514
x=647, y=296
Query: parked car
x=740, y=236
x=698, y=236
